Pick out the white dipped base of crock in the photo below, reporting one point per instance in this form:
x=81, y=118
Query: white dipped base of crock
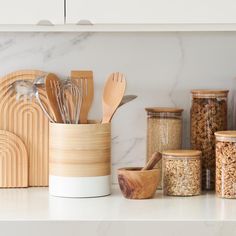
x=97, y=186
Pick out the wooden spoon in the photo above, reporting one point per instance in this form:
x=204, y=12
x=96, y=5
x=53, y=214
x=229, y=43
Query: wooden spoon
x=156, y=156
x=51, y=84
x=85, y=81
x=112, y=95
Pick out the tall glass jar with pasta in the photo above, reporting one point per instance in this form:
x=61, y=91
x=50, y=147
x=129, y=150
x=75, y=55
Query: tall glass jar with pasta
x=208, y=115
x=226, y=164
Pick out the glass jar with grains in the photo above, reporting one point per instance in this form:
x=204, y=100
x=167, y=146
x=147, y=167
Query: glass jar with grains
x=208, y=115
x=226, y=164
x=182, y=172
x=164, y=131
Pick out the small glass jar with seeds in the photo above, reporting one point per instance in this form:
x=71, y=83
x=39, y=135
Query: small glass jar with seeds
x=208, y=115
x=182, y=172
x=226, y=164
x=164, y=131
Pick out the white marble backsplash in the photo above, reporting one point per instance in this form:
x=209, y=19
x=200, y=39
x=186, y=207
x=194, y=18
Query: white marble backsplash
x=161, y=68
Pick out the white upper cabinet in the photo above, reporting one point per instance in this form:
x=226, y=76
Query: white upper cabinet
x=31, y=11
x=151, y=11
x=118, y=15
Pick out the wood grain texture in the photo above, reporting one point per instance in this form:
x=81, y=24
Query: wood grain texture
x=156, y=157
x=13, y=161
x=85, y=80
x=52, y=82
x=137, y=184
x=80, y=150
x=26, y=120
x=113, y=93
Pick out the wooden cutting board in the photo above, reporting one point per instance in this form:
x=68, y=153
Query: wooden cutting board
x=13, y=161
x=26, y=120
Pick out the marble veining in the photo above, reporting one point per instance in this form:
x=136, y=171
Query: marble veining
x=179, y=70
x=161, y=68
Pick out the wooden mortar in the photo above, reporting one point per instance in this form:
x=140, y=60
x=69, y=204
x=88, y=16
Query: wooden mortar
x=138, y=184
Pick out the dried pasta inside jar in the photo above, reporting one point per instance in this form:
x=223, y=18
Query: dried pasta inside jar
x=208, y=115
x=182, y=172
x=226, y=164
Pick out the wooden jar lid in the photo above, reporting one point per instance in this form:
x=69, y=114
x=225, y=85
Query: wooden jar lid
x=207, y=93
x=182, y=153
x=226, y=134
x=164, y=109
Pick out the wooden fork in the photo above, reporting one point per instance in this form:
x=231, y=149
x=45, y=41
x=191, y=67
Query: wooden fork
x=112, y=95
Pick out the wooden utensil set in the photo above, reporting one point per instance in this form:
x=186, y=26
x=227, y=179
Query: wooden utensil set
x=28, y=101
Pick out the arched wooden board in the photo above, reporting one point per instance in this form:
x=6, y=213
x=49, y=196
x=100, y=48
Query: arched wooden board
x=13, y=161
x=26, y=120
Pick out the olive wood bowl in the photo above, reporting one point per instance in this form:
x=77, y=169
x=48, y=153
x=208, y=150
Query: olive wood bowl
x=138, y=184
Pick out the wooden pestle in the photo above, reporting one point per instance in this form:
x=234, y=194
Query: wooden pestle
x=156, y=156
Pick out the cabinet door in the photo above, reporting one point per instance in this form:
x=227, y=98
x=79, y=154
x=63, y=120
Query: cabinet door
x=151, y=11
x=31, y=11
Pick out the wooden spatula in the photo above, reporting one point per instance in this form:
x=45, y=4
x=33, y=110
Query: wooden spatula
x=112, y=95
x=126, y=99
x=85, y=80
x=51, y=84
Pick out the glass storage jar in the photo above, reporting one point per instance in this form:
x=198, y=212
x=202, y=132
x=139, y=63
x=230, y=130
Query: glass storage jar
x=226, y=164
x=164, y=131
x=182, y=172
x=208, y=115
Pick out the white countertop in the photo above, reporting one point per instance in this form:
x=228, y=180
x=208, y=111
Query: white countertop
x=35, y=204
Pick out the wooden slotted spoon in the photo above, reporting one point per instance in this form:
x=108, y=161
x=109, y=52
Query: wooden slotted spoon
x=85, y=80
x=112, y=95
x=51, y=84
